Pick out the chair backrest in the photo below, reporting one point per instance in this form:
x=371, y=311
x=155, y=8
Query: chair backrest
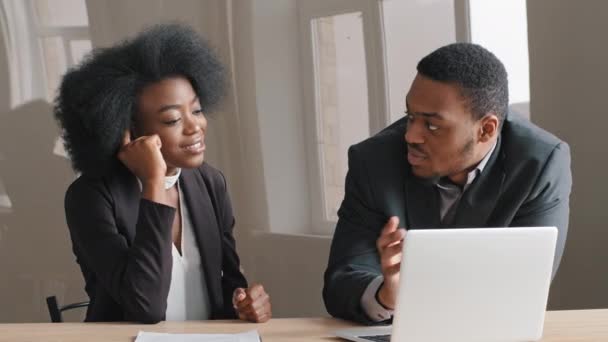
x=55, y=310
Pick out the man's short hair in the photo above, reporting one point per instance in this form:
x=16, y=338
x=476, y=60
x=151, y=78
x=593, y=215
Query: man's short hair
x=480, y=74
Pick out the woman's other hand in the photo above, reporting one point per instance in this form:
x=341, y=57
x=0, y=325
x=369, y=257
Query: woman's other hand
x=252, y=304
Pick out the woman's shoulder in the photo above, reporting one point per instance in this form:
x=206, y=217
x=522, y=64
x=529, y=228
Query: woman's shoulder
x=87, y=187
x=212, y=175
x=86, y=195
x=84, y=187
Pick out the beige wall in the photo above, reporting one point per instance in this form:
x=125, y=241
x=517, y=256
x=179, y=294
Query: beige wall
x=291, y=268
x=568, y=75
x=35, y=253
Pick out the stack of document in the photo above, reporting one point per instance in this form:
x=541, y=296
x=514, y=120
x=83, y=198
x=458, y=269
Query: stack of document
x=250, y=336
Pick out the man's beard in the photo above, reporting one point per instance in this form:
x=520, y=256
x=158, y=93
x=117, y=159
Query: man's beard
x=465, y=152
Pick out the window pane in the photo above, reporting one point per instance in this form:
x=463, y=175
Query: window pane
x=55, y=63
x=510, y=46
x=341, y=99
x=78, y=49
x=61, y=12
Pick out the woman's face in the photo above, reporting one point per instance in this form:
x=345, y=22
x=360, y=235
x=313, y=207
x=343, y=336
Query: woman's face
x=171, y=109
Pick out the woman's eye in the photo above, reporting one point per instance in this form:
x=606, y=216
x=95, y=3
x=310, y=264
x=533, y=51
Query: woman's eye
x=171, y=122
x=431, y=127
x=198, y=112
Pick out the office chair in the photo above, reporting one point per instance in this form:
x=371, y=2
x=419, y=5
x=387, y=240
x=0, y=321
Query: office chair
x=55, y=310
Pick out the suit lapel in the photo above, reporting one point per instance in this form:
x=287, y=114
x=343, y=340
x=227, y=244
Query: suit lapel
x=480, y=198
x=422, y=203
x=197, y=198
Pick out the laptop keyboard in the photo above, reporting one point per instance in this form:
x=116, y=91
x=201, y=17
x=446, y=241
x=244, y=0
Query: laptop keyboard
x=377, y=338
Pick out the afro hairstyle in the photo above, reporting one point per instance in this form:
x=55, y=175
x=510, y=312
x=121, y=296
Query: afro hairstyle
x=97, y=99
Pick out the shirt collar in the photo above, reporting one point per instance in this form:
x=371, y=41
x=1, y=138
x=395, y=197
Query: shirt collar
x=169, y=180
x=482, y=164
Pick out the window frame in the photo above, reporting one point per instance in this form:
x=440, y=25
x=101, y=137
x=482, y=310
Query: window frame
x=377, y=86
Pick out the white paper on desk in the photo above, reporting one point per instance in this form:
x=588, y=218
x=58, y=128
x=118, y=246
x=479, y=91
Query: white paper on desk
x=250, y=336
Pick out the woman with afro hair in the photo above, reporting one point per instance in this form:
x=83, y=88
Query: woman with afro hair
x=150, y=222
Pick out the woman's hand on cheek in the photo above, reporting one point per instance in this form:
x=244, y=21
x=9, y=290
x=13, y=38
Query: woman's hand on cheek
x=143, y=157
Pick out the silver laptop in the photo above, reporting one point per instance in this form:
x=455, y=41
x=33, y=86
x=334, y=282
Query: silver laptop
x=481, y=284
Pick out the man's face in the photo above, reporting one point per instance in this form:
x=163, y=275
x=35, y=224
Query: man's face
x=441, y=134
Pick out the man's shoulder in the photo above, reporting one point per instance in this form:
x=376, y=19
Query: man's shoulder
x=387, y=142
x=523, y=140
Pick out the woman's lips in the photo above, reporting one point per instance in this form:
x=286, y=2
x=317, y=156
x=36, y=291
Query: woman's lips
x=195, y=148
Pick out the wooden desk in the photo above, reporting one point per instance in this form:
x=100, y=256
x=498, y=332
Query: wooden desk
x=584, y=325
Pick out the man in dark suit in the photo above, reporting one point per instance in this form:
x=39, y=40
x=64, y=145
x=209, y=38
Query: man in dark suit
x=457, y=159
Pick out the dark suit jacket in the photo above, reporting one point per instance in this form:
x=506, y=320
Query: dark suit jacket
x=123, y=243
x=526, y=182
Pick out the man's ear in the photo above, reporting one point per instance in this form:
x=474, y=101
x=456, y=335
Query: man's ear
x=488, y=127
